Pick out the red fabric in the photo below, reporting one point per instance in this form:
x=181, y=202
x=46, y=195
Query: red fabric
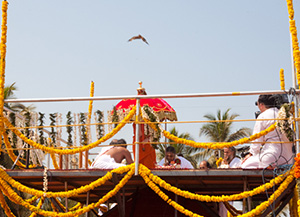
x=157, y=104
x=147, y=155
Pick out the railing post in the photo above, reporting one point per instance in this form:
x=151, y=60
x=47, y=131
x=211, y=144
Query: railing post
x=296, y=106
x=137, y=138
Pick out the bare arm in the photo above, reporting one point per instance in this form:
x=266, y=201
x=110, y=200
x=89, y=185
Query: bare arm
x=128, y=157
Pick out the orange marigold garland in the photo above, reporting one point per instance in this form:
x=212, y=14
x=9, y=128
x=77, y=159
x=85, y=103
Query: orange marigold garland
x=297, y=166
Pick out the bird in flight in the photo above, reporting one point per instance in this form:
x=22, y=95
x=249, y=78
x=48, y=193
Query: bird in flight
x=138, y=37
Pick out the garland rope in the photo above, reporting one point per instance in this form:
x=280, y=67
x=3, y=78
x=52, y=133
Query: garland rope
x=282, y=84
x=144, y=171
x=253, y=212
x=211, y=145
x=71, y=193
x=18, y=200
x=151, y=181
x=2, y=62
x=295, y=44
x=75, y=150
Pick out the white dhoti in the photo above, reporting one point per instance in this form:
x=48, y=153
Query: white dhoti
x=106, y=162
x=265, y=152
x=270, y=155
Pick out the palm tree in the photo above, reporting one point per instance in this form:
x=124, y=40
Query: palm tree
x=9, y=93
x=220, y=130
x=186, y=151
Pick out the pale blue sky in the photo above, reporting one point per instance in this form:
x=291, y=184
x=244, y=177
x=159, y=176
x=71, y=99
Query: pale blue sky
x=55, y=48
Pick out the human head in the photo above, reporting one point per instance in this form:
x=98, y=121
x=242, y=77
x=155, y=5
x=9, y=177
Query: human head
x=170, y=153
x=122, y=142
x=266, y=101
x=204, y=165
x=114, y=142
x=229, y=153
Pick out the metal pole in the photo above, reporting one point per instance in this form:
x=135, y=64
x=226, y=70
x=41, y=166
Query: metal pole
x=296, y=106
x=137, y=138
x=191, y=95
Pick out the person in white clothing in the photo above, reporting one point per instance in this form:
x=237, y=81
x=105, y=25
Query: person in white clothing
x=112, y=156
x=230, y=160
x=272, y=149
x=172, y=160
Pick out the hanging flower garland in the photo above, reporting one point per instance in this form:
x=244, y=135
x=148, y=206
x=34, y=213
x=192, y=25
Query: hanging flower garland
x=32, y=199
x=282, y=84
x=254, y=212
x=89, y=118
x=3, y=53
x=285, y=121
x=75, y=150
x=99, y=126
x=4, y=205
x=38, y=206
x=210, y=144
x=155, y=129
x=70, y=193
x=2, y=62
x=17, y=199
x=219, y=161
x=165, y=197
x=295, y=44
x=144, y=171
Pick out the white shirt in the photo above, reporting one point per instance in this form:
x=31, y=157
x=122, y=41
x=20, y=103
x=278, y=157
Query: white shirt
x=235, y=163
x=184, y=163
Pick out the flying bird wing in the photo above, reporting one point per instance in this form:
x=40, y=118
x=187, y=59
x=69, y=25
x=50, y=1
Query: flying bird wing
x=138, y=37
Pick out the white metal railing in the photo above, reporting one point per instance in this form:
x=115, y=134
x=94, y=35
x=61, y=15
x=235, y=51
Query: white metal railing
x=138, y=97
x=190, y=95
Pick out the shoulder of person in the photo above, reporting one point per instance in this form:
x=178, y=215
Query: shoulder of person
x=181, y=158
x=121, y=148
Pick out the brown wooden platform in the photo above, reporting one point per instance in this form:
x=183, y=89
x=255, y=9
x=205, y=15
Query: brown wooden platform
x=212, y=182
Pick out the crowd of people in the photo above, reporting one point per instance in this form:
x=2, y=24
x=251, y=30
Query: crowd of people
x=268, y=151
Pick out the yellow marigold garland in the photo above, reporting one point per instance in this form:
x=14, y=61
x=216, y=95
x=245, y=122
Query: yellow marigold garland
x=219, y=161
x=54, y=208
x=17, y=199
x=181, y=209
x=2, y=62
x=295, y=44
x=144, y=171
x=74, y=150
x=54, y=161
x=32, y=199
x=210, y=144
x=70, y=193
x=91, y=101
x=264, y=205
x=38, y=206
x=293, y=203
x=282, y=84
x=9, y=150
x=297, y=166
x=165, y=197
x=3, y=53
x=4, y=205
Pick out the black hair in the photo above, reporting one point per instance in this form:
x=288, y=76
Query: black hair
x=275, y=100
x=232, y=149
x=171, y=149
x=267, y=100
x=122, y=141
x=114, y=142
x=208, y=165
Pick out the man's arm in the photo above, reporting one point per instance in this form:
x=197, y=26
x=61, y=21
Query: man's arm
x=127, y=156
